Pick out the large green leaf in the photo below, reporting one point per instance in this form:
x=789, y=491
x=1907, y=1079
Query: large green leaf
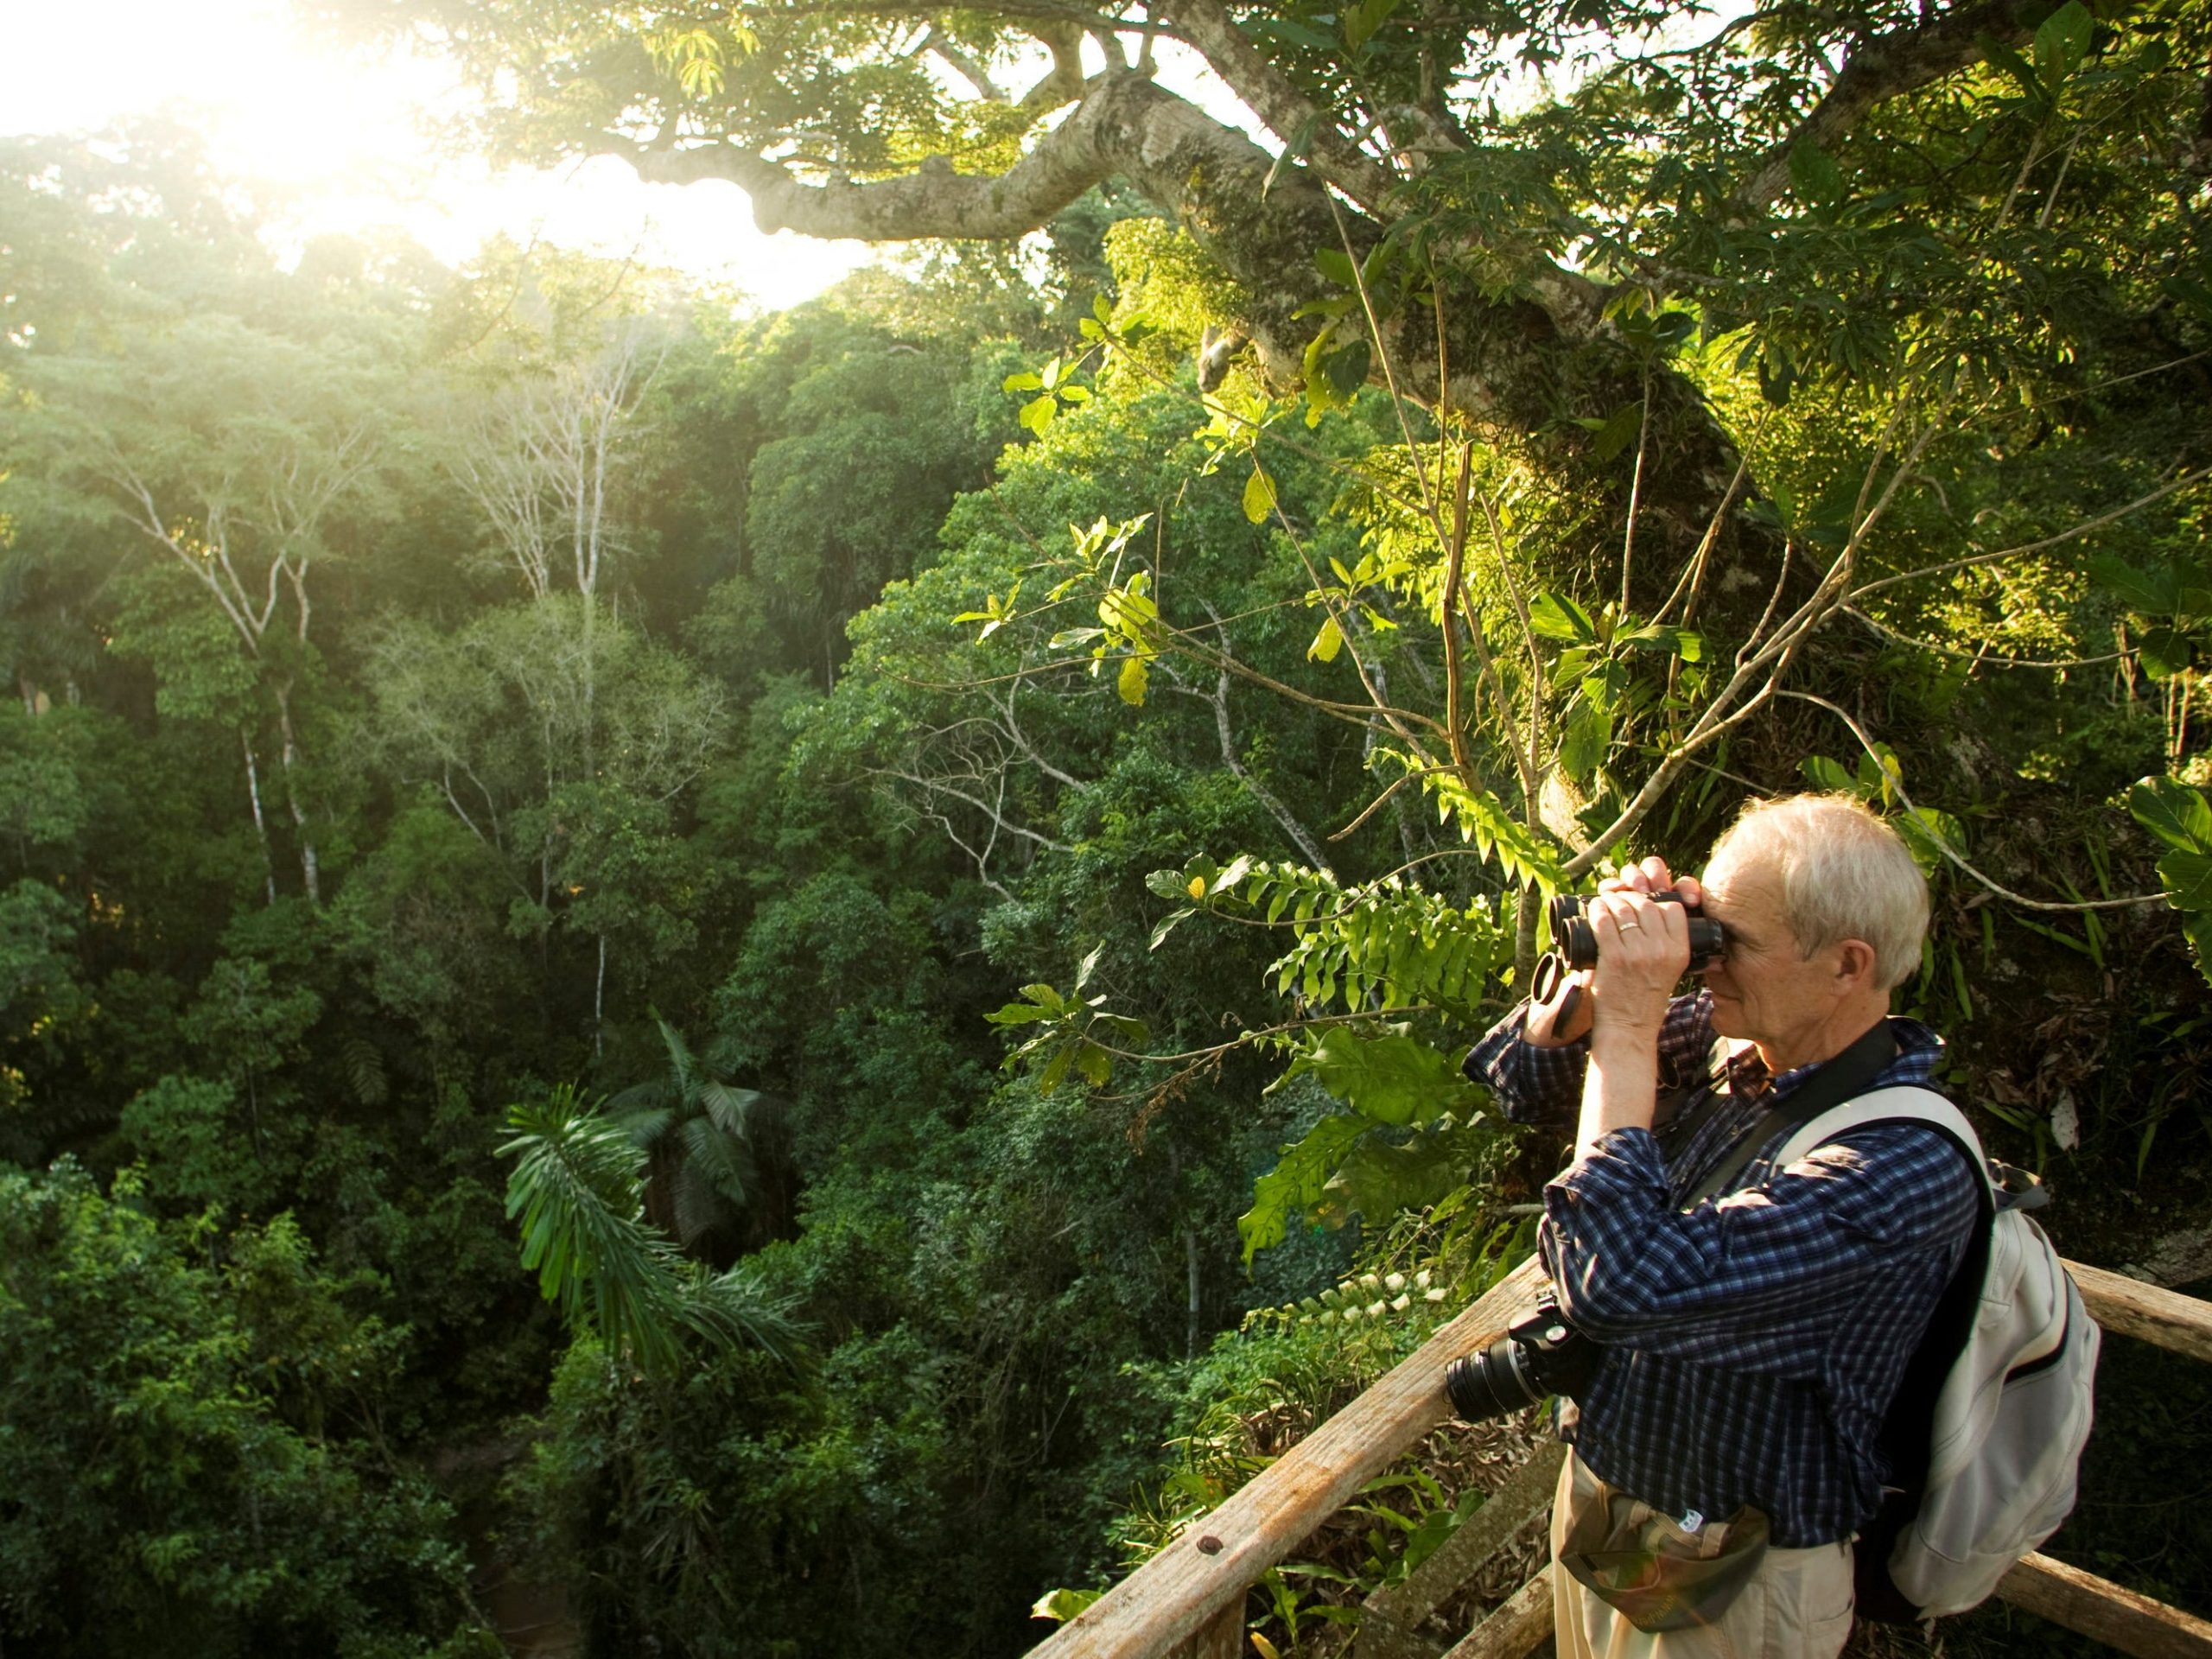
x=2062, y=41
x=2187, y=876
x=1589, y=735
x=1393, y=1079
x=1378, y=1180
x=1294, y=1185
x=1557, y=617
x=2174, y=812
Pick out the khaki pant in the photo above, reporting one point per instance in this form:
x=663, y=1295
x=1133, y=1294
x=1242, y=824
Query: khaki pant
x=1795, y=1605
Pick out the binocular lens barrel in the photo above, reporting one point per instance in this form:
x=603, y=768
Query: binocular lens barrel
x=1576, y=945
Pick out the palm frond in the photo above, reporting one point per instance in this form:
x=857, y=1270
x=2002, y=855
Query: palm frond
x=741, y=1307
x=732, y=1109
x=576, y=1191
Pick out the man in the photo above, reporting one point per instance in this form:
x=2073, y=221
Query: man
x=1751, y=1344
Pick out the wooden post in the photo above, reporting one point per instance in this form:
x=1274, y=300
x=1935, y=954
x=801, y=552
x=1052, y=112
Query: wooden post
x=2106, y=1612
x=1208, y=1568
x=1525, y=1494
x=1512, y=1632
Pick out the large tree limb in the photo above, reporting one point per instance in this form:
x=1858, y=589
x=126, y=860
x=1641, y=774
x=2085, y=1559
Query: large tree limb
x=1269, y=94
x=1210, y=176
x=1884, y=67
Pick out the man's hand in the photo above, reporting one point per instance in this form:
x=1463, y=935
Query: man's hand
x=1567, y=1017
x=1644, y=950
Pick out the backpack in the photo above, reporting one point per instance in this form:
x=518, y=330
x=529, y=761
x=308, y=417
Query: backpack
x=1987, y=1426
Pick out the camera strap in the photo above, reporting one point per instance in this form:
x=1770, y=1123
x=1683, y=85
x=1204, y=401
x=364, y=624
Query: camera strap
x=1843, y=1077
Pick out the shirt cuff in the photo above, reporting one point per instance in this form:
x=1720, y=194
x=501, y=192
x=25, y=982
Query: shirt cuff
x=1622, y=1168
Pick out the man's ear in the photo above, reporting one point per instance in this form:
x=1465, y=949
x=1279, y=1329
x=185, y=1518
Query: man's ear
x=1854, y=966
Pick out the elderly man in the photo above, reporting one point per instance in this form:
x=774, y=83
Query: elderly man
x=1751, y=1341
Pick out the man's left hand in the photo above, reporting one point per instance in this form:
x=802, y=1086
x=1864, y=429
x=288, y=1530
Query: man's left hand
x=1643, y=951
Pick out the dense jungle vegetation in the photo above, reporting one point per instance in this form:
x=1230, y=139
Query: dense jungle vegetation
x=770, y=985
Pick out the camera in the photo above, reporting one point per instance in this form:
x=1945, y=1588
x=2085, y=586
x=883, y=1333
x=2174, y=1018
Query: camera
x=1574, y=944
x=1538, y=1354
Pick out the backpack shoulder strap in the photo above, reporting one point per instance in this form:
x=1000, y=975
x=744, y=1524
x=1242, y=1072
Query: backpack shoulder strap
x=1900, y=1105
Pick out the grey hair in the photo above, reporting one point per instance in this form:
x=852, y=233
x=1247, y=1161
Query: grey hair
x=1846, y=874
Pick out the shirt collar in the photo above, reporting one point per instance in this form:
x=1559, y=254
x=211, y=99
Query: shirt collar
x=1920, y=1050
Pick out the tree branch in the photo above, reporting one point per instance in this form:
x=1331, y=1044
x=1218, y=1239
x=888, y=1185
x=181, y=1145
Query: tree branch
x=1270, y=95
x=1884, y=68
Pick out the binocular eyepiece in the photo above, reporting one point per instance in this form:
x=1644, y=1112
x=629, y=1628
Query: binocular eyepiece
x=1574, y=943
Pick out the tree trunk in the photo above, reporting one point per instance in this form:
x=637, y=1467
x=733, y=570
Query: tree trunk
x=260, y=823
x=310, y=865
x=599, y=1005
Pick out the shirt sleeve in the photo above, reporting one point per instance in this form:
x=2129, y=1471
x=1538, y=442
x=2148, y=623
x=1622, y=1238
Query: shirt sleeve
x=1534, y=1085
x=1544, y=1085
x=1711, y=1285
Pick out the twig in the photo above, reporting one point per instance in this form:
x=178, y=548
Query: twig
x=1945, y=847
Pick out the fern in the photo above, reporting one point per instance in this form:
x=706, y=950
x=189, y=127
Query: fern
x=1525, y=856
x=1378, y=947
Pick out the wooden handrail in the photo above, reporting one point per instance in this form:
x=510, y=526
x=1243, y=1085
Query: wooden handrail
x=1214, y=1561
x=2135, y=1309
x=1197, y=1583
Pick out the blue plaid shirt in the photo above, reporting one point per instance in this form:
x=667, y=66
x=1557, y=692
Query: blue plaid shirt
x=1752, y=1344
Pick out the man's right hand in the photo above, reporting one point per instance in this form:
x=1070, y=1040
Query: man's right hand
x=1568, y=1016
x=1565, y=1018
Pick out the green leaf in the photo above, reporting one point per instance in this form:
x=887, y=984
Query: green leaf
x=2062, y=41
x=1346, y=369
x=1327, y=644
x=1336, y=264
x=1675, y=642
x=2188, y=877
x=1025, y=381
x=1393, y=1079
x=1589, y=735
x=1062, y=1606
x=1037, y=414
x=1619, y=430
x=1259, y=496
x=2153, y=593
x=2197, y=926
x=1133, y=681
x=1554, y=616
x=1168, y=923
x=2164, y=652
x=1361, y=20
x=2174, y=813
x=2014, y=65
x=1239, y=867
x=1815, y=176
x=1827, y=775
x=1295, y=1184
x=1377, y=1181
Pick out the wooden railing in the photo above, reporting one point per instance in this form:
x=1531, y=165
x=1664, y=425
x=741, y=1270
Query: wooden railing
x=1189, y=1599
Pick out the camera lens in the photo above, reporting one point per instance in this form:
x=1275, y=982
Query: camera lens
x=1491, y=1382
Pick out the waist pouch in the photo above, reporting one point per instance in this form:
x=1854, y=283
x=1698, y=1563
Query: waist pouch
x=1647, y=1568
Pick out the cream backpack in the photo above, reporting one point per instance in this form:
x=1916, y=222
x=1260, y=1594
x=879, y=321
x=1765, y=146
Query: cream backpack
x=1988, y=1425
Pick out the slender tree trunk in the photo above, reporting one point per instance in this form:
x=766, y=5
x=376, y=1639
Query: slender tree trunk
x=260, y=823
x=599, y=1005
x=1191, y=1273
x=311, y=864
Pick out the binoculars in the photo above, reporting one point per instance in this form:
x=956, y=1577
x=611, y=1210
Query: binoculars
x=1574, y=944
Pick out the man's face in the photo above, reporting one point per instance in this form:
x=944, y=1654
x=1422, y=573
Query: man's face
x=1763, y=987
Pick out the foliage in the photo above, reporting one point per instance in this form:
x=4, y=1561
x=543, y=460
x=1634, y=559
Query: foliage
x=574, y=1191
x=1202, y=752
x=235, y=1404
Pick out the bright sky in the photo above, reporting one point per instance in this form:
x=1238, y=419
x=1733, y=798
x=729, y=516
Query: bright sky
x=341, y=131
